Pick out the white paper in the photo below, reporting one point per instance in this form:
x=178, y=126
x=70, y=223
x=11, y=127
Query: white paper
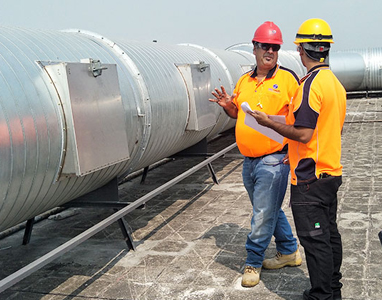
x=245, y=107
x=251, y=122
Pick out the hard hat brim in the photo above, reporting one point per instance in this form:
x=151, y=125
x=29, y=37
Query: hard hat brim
x=267, y=41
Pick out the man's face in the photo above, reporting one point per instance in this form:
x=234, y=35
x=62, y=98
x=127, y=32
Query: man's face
x=266, y=55
x=301, y=51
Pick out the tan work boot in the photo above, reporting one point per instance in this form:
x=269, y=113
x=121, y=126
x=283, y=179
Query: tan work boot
x=283, y=260
x=251, y=276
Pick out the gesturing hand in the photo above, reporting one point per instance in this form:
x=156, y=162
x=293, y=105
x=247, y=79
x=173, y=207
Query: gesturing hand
x=222, y=98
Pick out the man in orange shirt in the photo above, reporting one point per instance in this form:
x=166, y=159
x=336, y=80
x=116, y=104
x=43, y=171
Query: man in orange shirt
x=268, y=87
x=316, y=117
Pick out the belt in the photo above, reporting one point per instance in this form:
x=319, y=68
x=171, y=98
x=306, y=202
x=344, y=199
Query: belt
x=324, y=175
x=282, y=151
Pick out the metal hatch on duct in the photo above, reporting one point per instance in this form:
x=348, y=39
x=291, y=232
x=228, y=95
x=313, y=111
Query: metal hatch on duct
x=197, y=78
x=93, y=113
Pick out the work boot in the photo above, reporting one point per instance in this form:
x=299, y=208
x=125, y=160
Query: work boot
x=251, y=276
x=282, y=260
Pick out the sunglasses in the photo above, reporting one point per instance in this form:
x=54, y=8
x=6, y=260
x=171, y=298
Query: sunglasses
x=266, y=47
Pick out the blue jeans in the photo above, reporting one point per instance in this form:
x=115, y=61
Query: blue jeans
x=266, y=185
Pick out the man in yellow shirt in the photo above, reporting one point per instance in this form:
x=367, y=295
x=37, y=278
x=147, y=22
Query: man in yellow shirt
x=315, y=120
x=268, y=87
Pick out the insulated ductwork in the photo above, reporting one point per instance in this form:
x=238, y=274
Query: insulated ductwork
x=78, y=110
x=358, y=70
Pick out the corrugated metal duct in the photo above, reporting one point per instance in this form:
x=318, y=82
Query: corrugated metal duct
x=366, y=63
x=358, y=70
x=349, y=68
x=78, y=110
x=289, y=59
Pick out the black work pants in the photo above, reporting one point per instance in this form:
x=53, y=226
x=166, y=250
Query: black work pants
x=314, y=208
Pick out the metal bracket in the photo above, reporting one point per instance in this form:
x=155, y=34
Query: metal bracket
x=28, y=231
x=96, y=67
x=202, y=66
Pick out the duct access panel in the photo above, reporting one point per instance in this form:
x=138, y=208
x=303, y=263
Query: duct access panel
x=197, y=79
x=93, y=113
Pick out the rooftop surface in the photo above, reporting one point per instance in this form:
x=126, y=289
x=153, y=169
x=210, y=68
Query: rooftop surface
x=190, y=239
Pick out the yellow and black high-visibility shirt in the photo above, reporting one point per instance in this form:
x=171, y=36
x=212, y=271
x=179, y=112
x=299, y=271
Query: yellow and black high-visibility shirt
x=272, y=96
x=319, y=104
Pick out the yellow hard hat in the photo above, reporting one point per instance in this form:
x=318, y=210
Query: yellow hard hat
x=314, y=30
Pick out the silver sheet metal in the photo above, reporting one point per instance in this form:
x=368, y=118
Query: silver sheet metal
x=366, y=75
x=357, y=70
x=78, y=110
x=350, y=68
x=66, y=132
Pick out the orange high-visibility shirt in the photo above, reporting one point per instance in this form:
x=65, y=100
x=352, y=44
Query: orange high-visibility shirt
x=319, y=104
x=272, y=96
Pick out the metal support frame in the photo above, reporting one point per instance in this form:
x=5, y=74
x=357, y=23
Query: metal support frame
x=106, y=196
x=69, y=245
x=28, y=231
x=209, y=166
x=125, y=228
x=145, y=171
x=212, y=173
x=199, y=149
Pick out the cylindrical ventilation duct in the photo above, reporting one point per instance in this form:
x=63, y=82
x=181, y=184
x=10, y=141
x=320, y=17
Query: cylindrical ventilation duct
x=372, y=67
x=357, y=70
x=349, y=68
x=78, y=110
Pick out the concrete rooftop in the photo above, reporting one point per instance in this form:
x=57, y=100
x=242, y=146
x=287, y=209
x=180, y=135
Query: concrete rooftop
x=190, y=239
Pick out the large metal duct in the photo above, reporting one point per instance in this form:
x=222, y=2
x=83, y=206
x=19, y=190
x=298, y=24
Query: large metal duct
x=362, y=67
x=289, y=59
x=78, y=110
x=358, y=70
x=349, y=68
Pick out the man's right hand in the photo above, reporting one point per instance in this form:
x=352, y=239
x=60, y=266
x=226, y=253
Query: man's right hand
x=222, y=98
x=225, y=101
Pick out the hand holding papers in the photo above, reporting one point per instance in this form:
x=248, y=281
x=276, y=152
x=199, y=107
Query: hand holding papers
x=245, y=107
x=251, y=122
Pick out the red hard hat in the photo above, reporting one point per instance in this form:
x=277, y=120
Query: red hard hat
x=268, y=33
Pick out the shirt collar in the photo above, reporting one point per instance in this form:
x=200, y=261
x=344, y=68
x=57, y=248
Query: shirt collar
x=315, y=68
x=270, y=74
x=318, y=67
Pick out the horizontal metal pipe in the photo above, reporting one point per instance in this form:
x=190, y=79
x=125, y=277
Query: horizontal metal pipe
x=78, y=109
x=358, y=70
